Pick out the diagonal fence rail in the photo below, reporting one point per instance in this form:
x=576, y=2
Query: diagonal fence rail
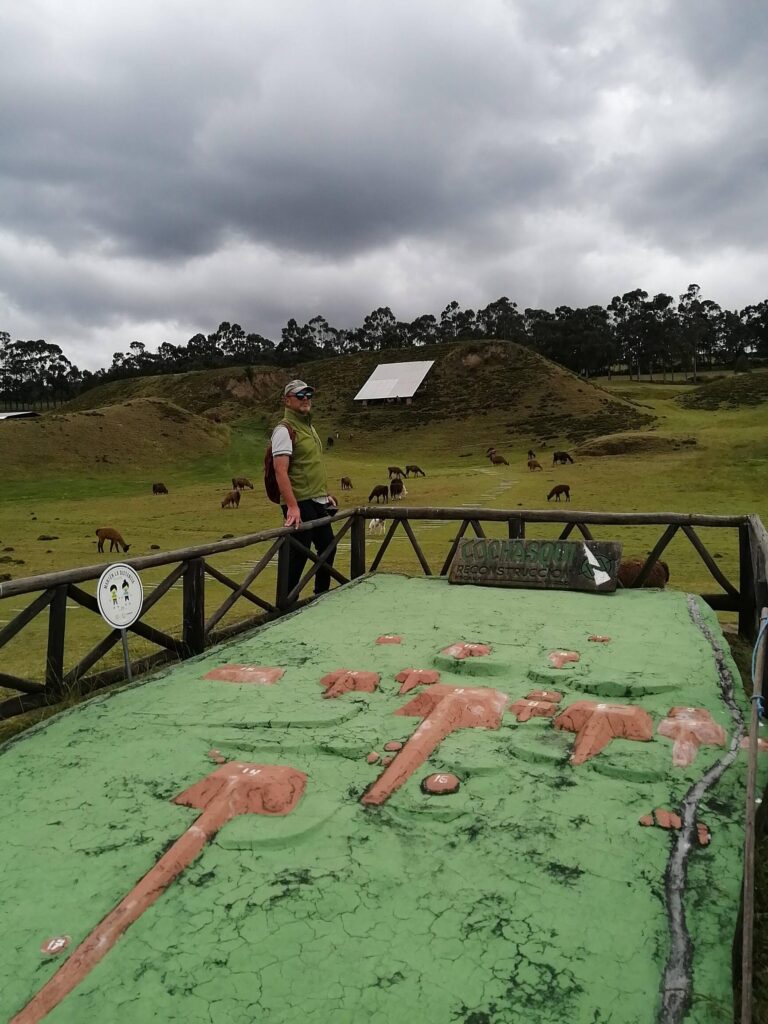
x=267, y=589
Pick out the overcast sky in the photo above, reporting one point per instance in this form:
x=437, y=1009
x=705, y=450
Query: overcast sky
x=166, y=165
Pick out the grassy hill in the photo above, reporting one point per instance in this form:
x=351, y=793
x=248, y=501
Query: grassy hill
x=729, y=392
x=140, y=434
x=518, y=389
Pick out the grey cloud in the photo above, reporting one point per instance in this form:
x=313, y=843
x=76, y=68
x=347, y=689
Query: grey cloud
x=356, y=155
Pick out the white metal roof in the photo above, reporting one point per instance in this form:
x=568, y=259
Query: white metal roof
x=394, y=380
x=21, y=414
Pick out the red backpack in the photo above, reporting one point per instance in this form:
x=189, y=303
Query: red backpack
x=270, y=478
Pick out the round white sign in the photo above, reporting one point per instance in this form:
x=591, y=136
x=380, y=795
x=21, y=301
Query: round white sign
x=120, y=595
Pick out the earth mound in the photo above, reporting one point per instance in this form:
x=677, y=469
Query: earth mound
x=511, y=384
x=142, y=432
x=634, y=443
x=729, y=392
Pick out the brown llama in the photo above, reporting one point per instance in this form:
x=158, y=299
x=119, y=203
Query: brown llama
x=239, y=483
x=629, y=570
x=113, y=536
x=232, y=500
x=534, y=464
x=496, y=459
x=346, y=483
x=394, y=471
x=159, y=489
x=379, y=491
x=559, y=489
x=562, y=457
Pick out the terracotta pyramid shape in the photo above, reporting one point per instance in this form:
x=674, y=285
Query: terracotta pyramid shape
x=345, y=680
x=596, y=725
x=558, y=659
x=389, y=638
x=410, y=678
x=459, y=651
x=525, y=709
x=261, y=674
x=444, y=710
x=229, y=791
x=598, y=638
x=440, y=784
x=672, y=822
x=690, y=728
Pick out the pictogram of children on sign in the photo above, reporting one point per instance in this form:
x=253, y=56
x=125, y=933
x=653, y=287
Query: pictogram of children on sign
x=113, y=594
x=126, y=591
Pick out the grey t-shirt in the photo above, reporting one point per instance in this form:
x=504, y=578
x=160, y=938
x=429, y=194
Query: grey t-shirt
x=283, y=445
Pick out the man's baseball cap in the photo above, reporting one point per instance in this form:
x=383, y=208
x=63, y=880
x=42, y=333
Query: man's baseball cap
x=295, y=387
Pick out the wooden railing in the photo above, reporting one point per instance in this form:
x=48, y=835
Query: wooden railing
x=193, y=567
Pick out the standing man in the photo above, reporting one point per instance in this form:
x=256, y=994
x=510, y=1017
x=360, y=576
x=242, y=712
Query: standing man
x=300, y=472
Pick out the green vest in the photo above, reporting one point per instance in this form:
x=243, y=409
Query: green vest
x=307, y=468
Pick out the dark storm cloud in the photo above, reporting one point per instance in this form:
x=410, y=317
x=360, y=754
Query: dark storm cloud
x=168, y=166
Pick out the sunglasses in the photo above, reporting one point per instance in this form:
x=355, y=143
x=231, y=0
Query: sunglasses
x=303, y=394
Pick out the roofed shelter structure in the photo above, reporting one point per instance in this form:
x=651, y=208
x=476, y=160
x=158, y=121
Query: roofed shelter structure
x=394, y=380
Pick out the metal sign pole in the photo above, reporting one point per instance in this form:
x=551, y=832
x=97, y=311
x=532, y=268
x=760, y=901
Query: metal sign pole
x=124, y=638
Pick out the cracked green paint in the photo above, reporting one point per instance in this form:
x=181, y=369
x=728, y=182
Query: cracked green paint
x=531, y=895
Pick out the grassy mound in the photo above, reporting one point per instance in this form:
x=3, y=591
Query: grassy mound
x=729, y=392
x=221, y=395
x=142, y=433
x=518, y=389
x=633, y=443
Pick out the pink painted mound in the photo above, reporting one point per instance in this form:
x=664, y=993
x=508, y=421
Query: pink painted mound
x=393, y=745
x=690, y=728
x=246, y=674
x=344, y=680
x=387, y=761
x=216, y=756
x=667, y=819
x=557, y=659
x=762, y=745
x=526, y=709
x=596, y=725
x=389, y=638
x=440, y=785
x=444, y=710
x=703, y=834
x=410, y=678
x=596, y=638
x=551, y=695
x=670, y=821
x=247, y=789
x=373, y=757
x=460, y=651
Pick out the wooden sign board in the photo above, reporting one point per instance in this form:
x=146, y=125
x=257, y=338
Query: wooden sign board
x=590, y=566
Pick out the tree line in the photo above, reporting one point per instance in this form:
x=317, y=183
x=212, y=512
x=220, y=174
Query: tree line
x=635, y=333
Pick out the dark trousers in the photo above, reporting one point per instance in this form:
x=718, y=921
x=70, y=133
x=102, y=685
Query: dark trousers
x=319, y=539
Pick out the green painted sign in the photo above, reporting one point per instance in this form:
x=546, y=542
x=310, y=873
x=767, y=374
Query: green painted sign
x=543, y=564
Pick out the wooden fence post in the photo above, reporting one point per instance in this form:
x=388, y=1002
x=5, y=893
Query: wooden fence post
x=193, y=628
x=747, y=596
x=281, y=587
x=516, y=528
x=357, y=550
x=54, y=658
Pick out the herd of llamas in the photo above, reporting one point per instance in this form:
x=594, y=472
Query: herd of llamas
x=395, y=490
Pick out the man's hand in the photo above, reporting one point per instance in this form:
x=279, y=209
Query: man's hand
x=333, y=500
x=293, y=516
